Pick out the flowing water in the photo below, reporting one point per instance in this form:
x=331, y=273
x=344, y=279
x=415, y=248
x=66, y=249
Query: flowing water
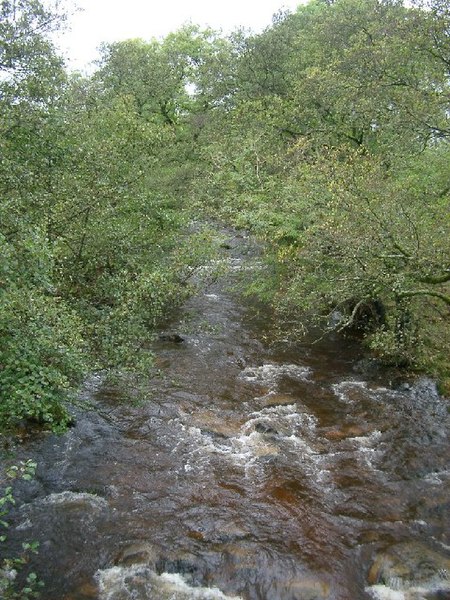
x=244, y=471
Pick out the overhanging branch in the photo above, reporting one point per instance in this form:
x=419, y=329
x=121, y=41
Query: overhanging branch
x=430, y=293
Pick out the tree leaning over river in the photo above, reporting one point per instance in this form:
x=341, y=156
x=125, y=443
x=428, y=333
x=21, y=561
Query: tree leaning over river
x=334, y=147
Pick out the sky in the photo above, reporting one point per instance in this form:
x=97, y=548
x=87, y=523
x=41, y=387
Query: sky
x=113, y=20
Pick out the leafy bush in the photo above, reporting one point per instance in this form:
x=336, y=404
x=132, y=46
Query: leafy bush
x=10, y=568
x=42, y=356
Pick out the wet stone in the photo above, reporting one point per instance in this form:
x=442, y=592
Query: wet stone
x=369, y=537
x=241, y=554
x=265, y=428
x=171, y=337
x=216, y=424
x=308, y=589
x=346, y=431
x=276, y=399
x=215, y=434
x=139, y=553
x=87, y=591
x=408, y=567
x=230, y=532
x=184, y=565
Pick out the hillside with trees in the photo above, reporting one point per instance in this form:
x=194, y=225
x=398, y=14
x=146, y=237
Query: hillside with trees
x=326, y=136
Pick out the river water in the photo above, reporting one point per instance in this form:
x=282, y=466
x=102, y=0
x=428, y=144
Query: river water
x=243, y=471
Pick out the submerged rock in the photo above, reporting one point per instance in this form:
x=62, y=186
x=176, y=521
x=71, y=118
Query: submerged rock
x=410, y=571
x=346, y=431
x=138, y=554
x=309, y=589
x=276, y=399
x=171, y=337
x=264, y=428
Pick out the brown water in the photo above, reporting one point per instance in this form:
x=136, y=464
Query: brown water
x=244, y=472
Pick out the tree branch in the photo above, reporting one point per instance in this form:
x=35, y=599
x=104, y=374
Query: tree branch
x=431, y=293
x=434, y=279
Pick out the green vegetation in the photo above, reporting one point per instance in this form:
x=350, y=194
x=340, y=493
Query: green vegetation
x=92, y=215
x=333, y=146
x=327, y=136
x=10, y=568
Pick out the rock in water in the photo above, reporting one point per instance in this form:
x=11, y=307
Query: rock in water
x=410, y=571
x=171, y=337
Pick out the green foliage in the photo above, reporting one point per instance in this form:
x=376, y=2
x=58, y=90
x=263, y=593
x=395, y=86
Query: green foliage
x=10, y=568
x=92, y=210
x=334, y=149
x=41, y=356
x=41, y=350
x=158, y=75
x=29, y=66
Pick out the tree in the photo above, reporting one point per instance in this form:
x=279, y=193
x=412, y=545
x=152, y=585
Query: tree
x=29, y=65
x=339, y=163
x=41, y=352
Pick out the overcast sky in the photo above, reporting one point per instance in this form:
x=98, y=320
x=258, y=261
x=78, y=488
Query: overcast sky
x=112, y=20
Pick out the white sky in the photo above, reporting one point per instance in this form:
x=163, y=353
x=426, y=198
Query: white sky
x=113, y=20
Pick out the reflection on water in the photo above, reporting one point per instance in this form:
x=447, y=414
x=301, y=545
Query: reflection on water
x=246, y=472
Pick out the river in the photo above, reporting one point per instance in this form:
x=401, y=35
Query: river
x=244, y=470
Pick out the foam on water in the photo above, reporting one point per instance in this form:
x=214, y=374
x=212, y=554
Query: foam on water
x=344, y=389
x=381, y=592
x=230, y=264
x=276, y=431
x=426, y=577
x=142, y=583
x=243, y=450
x=96, y=503
x=367, y=448
x=278, y=425
x=271, y=374
x=388, y=592
x=286, y=417
x=262, y=480
x=237, y=264
x=87, y=506
x=437, y=477
x=350, y=391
